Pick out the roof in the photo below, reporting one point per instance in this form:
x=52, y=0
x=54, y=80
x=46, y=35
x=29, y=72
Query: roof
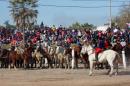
x=102, y=28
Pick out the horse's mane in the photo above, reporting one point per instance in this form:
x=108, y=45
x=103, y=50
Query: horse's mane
x=29, y=49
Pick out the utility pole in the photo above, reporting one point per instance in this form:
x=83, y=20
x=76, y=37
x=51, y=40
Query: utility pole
x=110, y=21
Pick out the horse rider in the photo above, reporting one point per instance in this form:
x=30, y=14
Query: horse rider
x=117, y=47
x=13, y=43
x=99, y=48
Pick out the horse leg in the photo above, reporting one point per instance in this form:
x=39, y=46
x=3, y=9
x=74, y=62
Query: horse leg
x=76, y=63
x=41, y=62
x=116, y=65
x=68, y=62
x=46, y=62
x=9, y=66
x=65, y=61
x=83, y=59
x=91, y=68
x=32, y=62
x=84, y=62
x=111, y=71
x=15, y=67
x=108, y=71
x=55, y=62
x=62, y=63
x=14, y=64
x=73, y=63
x=25, y=64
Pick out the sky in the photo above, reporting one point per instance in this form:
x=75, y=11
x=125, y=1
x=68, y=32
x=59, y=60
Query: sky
x=65, y=16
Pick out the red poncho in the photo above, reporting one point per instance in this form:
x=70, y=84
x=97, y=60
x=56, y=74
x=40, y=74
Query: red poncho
x=98, y=50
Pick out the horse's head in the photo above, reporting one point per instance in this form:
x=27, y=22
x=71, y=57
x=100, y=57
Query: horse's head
x=87, y=48
x=84, y=49
x=87, y=43
x=52, y=50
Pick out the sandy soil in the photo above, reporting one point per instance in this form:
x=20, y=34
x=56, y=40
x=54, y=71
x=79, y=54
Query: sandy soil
x=62, y=77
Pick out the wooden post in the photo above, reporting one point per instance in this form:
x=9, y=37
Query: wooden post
x=124, y=59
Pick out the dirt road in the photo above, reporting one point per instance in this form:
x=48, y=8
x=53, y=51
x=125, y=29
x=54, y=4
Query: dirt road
x=62, y=77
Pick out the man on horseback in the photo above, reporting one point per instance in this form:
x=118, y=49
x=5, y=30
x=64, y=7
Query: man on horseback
x=99, y=48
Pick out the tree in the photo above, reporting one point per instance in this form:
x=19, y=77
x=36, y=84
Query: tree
x=87, y=26
x=77, y=25
x=24, y=13
x=124, y=16
x=8, y=25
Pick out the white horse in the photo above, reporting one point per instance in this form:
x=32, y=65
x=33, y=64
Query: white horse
x=59, y=56
x=112, y=57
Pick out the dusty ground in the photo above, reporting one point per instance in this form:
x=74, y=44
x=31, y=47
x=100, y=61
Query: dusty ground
x=62, y=77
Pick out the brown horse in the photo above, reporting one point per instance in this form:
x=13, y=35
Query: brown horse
x=14, y=56
x=27, y=55
x=79, y=55
x=75, y=55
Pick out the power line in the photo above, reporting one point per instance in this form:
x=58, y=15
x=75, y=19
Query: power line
x=89, y=0
x=103, y=0
x=100, y=0
x=65, y=6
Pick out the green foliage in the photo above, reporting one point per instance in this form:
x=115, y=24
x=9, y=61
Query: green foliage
x=24, y=12
x=77, y=25
x=87, y=26
x=123, y=17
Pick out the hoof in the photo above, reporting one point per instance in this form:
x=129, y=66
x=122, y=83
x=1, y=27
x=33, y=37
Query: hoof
x=15, y=69
x=90, y=74
x=110, y=75
x=116, y=74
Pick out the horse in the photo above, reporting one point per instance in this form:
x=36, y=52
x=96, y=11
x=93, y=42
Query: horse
x=75, y=55
x=36, y=55
x=27, y=56
x=59, y=57
x=4, y=53
x=19, y=51
x=84, y=57
x=14, y=56
x=112, y=57
x=51, y=51
x=67, y=57
x=39, y=55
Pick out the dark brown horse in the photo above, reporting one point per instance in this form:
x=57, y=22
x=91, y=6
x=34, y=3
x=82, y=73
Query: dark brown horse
x=4, y=53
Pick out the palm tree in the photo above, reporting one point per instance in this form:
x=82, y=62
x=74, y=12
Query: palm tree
x=24, y=13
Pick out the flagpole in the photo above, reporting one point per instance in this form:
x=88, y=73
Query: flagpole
x=110, y=15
